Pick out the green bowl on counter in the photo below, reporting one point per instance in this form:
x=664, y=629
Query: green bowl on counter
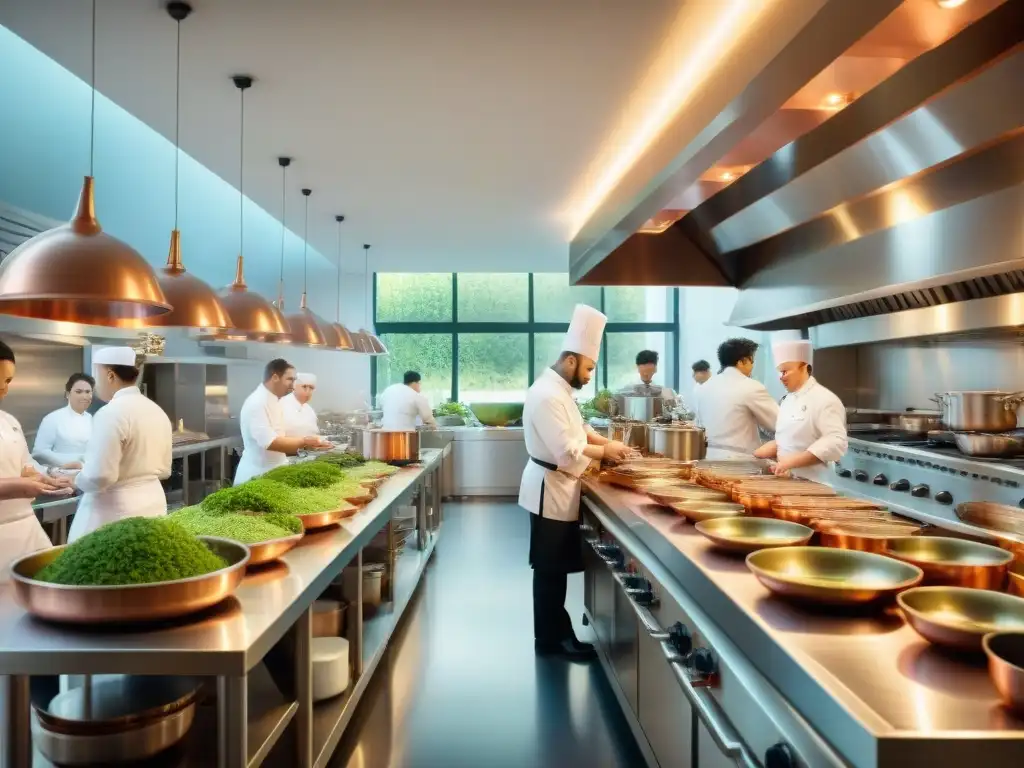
x=497, y=414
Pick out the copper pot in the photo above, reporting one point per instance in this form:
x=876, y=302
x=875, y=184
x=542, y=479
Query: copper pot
x=954, y=562
x=392, y=447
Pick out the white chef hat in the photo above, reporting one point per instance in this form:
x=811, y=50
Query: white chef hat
x=306, y=378
x=792, y=351
x=114, y=356
x=585, y=331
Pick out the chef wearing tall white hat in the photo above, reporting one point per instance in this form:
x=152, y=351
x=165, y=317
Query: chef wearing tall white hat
x=299, y=416
x=811, y=429
x=129, y=452
x=560, y=449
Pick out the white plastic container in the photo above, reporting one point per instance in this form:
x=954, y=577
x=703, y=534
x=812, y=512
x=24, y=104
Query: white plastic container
x=330, y=667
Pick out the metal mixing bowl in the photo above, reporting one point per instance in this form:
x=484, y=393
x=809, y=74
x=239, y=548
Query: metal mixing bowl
x=959, y=617
x=749, y=534
x=949, y=561
x=832, y=576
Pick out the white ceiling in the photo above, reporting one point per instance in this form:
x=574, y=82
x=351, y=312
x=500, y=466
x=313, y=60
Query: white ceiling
x=449, y=132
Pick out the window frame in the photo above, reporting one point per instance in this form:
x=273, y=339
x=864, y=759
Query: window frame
x=529, y=328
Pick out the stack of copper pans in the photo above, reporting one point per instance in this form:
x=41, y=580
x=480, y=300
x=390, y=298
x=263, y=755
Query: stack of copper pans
x=801, y=508
x=668, y=496
x=757, y=496
x=634, y=477
x=995, y=517
x=864, y=535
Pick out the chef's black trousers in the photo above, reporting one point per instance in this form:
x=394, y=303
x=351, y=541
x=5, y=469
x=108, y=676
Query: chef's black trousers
x=551, y=623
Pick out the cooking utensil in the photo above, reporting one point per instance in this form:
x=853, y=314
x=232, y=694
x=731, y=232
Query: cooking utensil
x=1005, y=652
x=979, y=410
x=989, y=445
x=670, y=495
x=959, y=617
x=863, y=536
x=638, y=407
x=392, y=447
x=268, y=551
x=330, y=661
x=677, y=442
x=360, y=499
x=949, y=561
x=1015, y=576
x=697, y=511
x=75, y=604
x=315, y=520
x=997, y=517
x=826, y=576
x=757, y=498
x=799, y=508
x=329, y=618
x=919, y=422
x=749, y=534
x=497, y=414
x=632, y=433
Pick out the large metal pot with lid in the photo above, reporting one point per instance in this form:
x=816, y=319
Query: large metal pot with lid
x=398, y=447
x=677, y=441
x=638, y=407
x=980, y=410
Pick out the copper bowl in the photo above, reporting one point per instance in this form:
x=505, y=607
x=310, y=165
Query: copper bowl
x=749, y=534
x=1015, y=574
x=824, y=576
x=697, y=511
x=996, y=517
x=264, y=552
x=960, y=617
x=759, y=498
x=863, y=536
x=75, y=604
x=360, y=499
x=956, y=562
x=800, y=508
x=668, y=496
x=316, y=520
x=1005, y=652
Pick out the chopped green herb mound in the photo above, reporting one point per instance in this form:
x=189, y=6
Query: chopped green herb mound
x=309, y=474
x=342, y=459
x=248, y=529
x=370, y=470
x=137, y=550
x=289, y=522
x=259, y=495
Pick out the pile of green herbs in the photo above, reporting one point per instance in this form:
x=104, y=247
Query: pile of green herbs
x=246, y=528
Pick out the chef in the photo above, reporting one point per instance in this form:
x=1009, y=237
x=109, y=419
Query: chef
x=129, y=452
x=647, y=368
x=811, y=429
x=404, y=403
x=732, y=406
x=299, y=416
x=264, y=442
x=560, y=450
x=701, y=371
x=20, y=532
x=63, y=434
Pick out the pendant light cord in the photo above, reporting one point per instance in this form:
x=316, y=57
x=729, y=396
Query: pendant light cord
x=337, y=309
x=241, y=172
x=366, y=277
x=305, y=245
x=284, y=199
x=177, y=121
x=92, y=106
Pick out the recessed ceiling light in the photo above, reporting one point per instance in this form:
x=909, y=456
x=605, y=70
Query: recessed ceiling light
x=836, y=100
x=950, y=3
x=728, y=176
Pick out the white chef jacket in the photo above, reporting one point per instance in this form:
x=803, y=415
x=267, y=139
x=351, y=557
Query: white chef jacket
x=299, y=418
x=402, y=405
x=812, y=419
x=554, y=433
x=128, y=455
x=62, y=437
x=20, y=532
x=263, y=422
x=730, y=407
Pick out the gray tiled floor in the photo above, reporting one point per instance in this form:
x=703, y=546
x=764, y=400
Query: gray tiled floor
x=461, y=686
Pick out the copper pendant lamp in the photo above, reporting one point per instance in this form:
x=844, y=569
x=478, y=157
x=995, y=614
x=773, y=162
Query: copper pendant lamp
x=254, y=318
x=337, y=335
x=376, y=346
x=195, y=304
x=77, y=273
x=304, y=326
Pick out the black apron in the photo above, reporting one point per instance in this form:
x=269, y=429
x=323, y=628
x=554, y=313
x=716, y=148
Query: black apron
x=555, y=545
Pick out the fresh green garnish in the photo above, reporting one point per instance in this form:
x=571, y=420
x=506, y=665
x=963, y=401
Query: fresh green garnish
x=309, y=474
x=248, y=529
x=259, y=495
x=342, y=459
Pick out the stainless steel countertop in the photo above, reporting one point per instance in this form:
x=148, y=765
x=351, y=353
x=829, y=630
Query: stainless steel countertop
x=204, y=445
x=862, y=680
x=230, y=639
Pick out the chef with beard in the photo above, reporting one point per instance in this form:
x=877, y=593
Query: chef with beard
x=561, y=448
x=299, y=416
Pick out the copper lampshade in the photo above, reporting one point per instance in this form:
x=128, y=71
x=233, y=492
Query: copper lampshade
x=304, y=327
x=338, y=337
x=377, y=345
x=252, y=316
x=77, y=273
x=195, y=304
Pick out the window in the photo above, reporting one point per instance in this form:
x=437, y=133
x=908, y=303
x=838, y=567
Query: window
x=621, y=349
x=638, y=304
x=493, y=298
x=546, y=349
x=428, y=353
x=554, y=298
x=493, y=367
x=414, y=298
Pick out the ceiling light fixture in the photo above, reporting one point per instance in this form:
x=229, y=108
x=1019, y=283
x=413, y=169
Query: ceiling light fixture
x=661, y=221
x=837, y=100
x=728, y=176
x=255, y=318
x=78, y=273
x=371, y=342
x=284, y=162
x=337, y=335
x=195, y=304
x=947, y=4
x=304, y=326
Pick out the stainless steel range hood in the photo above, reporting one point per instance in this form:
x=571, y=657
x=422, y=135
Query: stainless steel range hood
x=909, y=199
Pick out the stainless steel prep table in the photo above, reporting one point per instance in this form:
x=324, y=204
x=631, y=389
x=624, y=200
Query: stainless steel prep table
x=485, y=461
x=867, y=684
x=234, y=638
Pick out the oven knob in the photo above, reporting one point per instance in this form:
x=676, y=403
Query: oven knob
x=880, y=479
x=900, y=485
x=861, y=476
x=843, y=472
x=944, y=497
x=919, y=491
x=680, y=639
x=780, y=756
x=702, y=662
x=645, y=596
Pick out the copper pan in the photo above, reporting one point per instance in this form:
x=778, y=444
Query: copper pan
x=959, y=617
x=120, y=604
x=264, y=552
x=316, y=520
x=749, y=534
x=666, y=497
x=360, y=499
x=809, y=514
x=760, y=501
x=697, y=511
x=820, y=519
x=995, y=517
x=824, y=576
x=954, y=562
x=1005, y=652
x=1016, y=578
x=864, y=536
